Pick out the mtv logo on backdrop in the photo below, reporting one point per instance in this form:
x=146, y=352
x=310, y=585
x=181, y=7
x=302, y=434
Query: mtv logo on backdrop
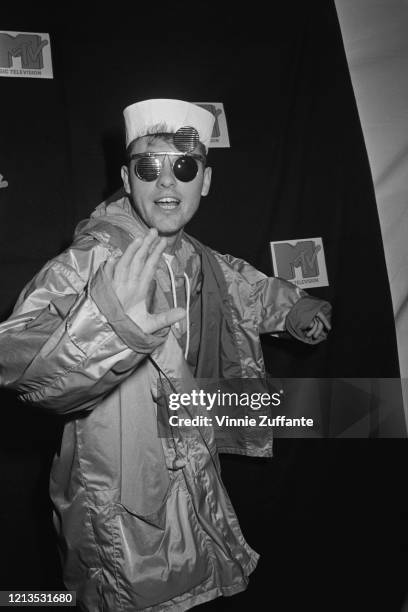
x=219, y=136
x=301, y=262
x=25, y=54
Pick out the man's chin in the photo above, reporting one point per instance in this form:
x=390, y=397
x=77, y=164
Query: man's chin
x=168, y=228
x=168, y=233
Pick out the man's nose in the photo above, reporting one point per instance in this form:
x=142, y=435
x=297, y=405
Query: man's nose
x=166, y=177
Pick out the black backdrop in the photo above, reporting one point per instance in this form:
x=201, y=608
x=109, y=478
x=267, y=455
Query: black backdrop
x=328, y=516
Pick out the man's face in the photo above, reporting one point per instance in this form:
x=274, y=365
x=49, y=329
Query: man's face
x=164, y=203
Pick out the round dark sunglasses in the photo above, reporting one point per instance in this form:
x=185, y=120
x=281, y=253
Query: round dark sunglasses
x=149, y=165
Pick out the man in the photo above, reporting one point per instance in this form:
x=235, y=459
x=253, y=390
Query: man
x=133, y=308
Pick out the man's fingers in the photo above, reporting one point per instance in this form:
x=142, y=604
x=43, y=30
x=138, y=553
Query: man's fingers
x=109, y=266
x=130, y=252
x=312, y=329
x=141, y=253
x=324, y=320
x=153, y=259
x=318, y=330
x=135, y=254
x=319, y=324
x=165, y=319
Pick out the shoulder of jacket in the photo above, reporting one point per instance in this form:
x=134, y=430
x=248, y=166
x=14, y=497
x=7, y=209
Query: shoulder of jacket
x=239, y=268
x=90, y=248
x=78, y=263
x=233, y=268
x=70, y=271
x=113, y=237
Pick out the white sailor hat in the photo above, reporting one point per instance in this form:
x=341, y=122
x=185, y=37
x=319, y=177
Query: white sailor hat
x=142, y=118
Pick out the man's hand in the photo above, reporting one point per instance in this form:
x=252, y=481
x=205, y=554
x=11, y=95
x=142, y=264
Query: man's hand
x=131, y=277
x=319, y=327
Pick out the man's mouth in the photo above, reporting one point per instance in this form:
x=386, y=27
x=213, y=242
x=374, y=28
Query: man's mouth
x=167, y=203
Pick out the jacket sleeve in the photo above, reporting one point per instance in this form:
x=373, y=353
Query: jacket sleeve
x=280, y=307
x=284, y=308
x=69, y=342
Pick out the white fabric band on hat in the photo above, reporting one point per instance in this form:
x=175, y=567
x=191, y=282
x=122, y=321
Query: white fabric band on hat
x=143, y=117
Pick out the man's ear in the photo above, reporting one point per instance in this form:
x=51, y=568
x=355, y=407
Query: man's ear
x=124, y=172
x=206, y=181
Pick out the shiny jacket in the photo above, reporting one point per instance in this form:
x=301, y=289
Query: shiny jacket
x=144, y=522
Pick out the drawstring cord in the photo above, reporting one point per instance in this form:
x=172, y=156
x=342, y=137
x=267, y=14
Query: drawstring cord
x=188, y=293
x=173, y=283
x=188, y=296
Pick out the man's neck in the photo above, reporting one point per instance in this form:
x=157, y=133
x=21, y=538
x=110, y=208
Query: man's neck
x=173, y=242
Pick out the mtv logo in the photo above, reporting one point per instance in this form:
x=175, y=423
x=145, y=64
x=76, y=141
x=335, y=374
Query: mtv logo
x=216, y=112
x=25, y=54
x=26, y=46
x=219, y=136
x=300, y=261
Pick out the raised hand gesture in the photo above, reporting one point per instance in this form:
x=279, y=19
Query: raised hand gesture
x=131, y=276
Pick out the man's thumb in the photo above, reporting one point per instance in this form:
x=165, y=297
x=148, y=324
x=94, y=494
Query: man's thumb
x=165, y=319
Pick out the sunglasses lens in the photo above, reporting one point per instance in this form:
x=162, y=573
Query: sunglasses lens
x=186, y=139
x=185, y=169
x=148, y=168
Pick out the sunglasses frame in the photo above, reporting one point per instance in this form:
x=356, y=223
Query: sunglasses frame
x=161, y=155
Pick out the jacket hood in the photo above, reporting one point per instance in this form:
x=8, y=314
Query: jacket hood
x=116, y=210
